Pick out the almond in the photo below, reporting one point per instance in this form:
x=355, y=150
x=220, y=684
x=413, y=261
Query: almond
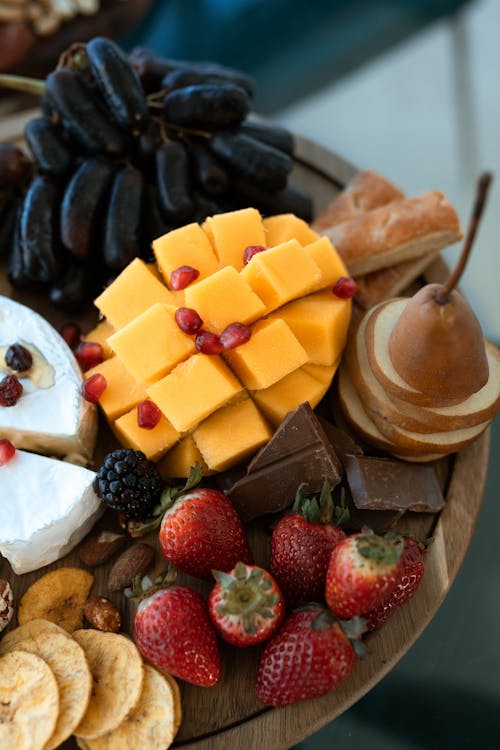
x=102, y=614
x=100, y=547
x=135, y=561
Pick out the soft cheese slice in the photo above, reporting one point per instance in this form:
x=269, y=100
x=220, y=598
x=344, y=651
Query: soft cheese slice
x=55, y=418
x=46, y=507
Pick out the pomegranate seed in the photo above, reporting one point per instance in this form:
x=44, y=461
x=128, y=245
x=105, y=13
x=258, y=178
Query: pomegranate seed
x=18, y=358
x=148, y=415
x=89, y=354
x=10, y=390
x=252, y=250
x=7, y=451
x=183, y=277
x=208, y=343
x=234, y=335
x=71, y=333
x=94, y=387
x=188, y=319
x=345, y=288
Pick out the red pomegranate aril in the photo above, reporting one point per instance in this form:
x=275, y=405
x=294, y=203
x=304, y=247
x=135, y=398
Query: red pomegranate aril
x=18, y=358
x=148, y=415
x=345, y=288
x=94, y=387
x=188, y=320
x=234, y=335
x=89, y=354
x=252, y=250
x=71, y=333
x=10, y=390
x=7, y=451
x=208, y=343
x=182, y=277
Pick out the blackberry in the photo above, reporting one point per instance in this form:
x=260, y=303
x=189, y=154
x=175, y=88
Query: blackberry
x=129, y=483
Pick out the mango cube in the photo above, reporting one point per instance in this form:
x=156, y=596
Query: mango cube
x=282, y=397
x=281, y=274
x=122, y=391
x=328, y=260
x=152, y=344
x=224, y=298
x=153, y=443
x=283, y=227
x=323, y=373
x=231, y=233
x=270, y=354
x=232, y=434
x=131, y=293
x=100, y=335
x=186, y=246
x=320, y=322
x=194, y=390
x=179, y=460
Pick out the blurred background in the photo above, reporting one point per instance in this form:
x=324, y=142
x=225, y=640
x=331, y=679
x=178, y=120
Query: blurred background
x=409, y=88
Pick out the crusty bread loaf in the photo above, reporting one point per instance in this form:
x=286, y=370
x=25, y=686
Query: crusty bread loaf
x=401, y=230
x=380, y=285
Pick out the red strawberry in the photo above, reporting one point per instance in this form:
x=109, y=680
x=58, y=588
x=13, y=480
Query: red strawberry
x=201, y=530
x=246, y=605
x=172, y=630
x=410, y=575
x=363, y=571
x=309, y=656
x=301, y=547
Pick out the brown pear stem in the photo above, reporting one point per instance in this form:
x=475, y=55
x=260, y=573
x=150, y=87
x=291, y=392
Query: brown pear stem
x=483, y=185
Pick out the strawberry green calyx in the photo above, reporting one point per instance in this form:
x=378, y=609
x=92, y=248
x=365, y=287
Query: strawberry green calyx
x=384, y=550
x=353, y=629
x=143, y=586
x=247, y=592
x=168, y=498
x=321, y=509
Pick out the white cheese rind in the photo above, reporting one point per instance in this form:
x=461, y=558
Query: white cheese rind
x=46, y=507
x=55, y=420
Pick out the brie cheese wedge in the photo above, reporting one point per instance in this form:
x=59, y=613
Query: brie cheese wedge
x=51, y=417
x=46, y=507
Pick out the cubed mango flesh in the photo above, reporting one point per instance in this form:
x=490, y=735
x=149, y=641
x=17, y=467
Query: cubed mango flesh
x=323, y=373
x=281, y=274
x=328, y=260
x=131, y=293
x=283, y=227
x=271, y=353
x=231, y=233
x=179, y=460
x=194, y=390
x=319, y=321
x=100, y=335
x=122, y=390
x=282, y=397
x=152, y=344
x=186, y=246
x=232, y=434
x=154, y=443
x=224, y=298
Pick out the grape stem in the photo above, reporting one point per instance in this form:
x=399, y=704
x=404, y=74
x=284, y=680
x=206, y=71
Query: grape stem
x=179, y=130
x=33, y=86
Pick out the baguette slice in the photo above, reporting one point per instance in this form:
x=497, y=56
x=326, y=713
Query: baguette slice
x=401, y=230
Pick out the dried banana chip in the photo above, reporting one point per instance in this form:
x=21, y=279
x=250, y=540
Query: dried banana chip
x=58, y=596
x=30, y=629
x=177, y=700
x=118, y=675
x=29, y=701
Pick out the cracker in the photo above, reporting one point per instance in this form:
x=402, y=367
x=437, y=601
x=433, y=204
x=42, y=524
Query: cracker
x=150, y=725
x=29, y=701
x=68, y=662
x=58, y=596
x=117, y=674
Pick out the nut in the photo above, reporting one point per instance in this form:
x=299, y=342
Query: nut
x=102, y=614
x=135, y=561
x=100, y=547
x=6, y=603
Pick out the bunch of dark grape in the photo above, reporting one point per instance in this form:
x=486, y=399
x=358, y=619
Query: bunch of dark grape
x=127, y=148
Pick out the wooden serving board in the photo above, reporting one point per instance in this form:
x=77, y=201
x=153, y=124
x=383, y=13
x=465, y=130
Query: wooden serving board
x=229, y=715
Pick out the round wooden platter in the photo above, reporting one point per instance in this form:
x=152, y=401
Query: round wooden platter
x=229, y=714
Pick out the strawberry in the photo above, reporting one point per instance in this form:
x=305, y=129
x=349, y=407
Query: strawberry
x=301, y=547
x=246, y=605
x=309, y=656
x=362, y=573
x=172, y=630
x=410, y=575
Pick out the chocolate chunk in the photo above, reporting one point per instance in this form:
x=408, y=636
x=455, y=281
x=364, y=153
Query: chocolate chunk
x=299, y=452
x=384, y=484
x=340, y=439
